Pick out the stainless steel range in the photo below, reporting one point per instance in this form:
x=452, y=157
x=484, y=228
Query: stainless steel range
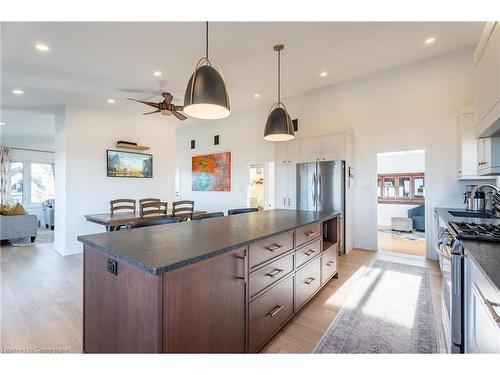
x=477, y=232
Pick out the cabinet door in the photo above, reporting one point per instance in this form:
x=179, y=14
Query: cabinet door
x=480, y=154
x=467, y=146
x=204, y=306
x=333, y=147
x=280, y=152
x=292, y=186
x=487, y=74
x=485, y=333
x=293, y=151
x=281, y=185
x=487, y=152
x=310, y=149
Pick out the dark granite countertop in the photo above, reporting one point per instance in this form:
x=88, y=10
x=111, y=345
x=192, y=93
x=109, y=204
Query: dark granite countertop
x=485, y=254
x=163, y=248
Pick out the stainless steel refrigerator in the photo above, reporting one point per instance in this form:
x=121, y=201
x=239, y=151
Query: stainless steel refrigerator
x=321, y=187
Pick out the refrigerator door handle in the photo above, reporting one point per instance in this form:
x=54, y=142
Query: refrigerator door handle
x=319, y=188
x=314, y=188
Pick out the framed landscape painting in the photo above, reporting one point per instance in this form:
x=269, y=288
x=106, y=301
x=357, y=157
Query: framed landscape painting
x=129, y=164
x=212, y=172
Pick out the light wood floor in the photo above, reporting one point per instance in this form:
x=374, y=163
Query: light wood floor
x=41, y=300
x=398, y=244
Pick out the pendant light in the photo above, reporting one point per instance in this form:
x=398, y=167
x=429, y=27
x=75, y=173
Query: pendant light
x=206, y=94
x=279, y=125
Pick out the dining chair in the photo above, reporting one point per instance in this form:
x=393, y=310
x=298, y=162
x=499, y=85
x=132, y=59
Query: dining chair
x=183, y=209
x=207, y=215
x=147, y=200
x=237, y=211
x=150, y=223
x=122, y=204
x=151, y=208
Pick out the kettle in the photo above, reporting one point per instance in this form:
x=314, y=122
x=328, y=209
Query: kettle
x=476, y=203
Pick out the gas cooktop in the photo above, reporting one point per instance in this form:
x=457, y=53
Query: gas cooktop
x=478, y=232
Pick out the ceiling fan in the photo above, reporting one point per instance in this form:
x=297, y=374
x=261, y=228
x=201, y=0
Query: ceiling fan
x=165, y=107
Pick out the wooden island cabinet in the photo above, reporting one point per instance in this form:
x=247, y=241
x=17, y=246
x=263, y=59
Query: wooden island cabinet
x=194, y=294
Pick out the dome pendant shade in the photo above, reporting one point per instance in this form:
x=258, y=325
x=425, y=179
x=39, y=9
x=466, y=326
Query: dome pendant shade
x=279, y=126
x=206, y=95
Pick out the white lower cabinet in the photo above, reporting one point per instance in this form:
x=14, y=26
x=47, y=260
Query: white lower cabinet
x=482, y=328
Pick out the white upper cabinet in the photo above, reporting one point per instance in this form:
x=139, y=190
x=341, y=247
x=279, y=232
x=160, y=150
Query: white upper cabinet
x=324, y=147
x=487, y=81
x=310, y=149
x=333, y=147
x=287, y=152
x=468, y=147
x=488, y=156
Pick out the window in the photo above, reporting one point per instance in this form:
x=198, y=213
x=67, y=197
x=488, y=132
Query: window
x=42, y=182
x=31, y=183
x=16, y=182
x=401, y=188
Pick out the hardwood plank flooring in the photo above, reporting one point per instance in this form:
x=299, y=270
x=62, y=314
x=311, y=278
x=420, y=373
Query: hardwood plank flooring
x=41, y=300
x=398, y=244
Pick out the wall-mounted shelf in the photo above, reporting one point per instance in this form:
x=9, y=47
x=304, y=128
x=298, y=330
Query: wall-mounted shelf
x=131, y=146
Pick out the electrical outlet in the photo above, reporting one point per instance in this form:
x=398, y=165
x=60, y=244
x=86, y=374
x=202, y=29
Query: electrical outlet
x=112, y=266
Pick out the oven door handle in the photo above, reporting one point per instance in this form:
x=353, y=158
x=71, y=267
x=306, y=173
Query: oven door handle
x=445, y=253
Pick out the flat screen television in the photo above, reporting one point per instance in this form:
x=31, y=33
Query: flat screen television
x=129, y=164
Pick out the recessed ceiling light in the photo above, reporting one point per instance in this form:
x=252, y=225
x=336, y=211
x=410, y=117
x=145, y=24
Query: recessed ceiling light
x=42, y=47
x=256, y=95
x=157, y=73
x=430, y=40
x=2, y=123
x=111, y=101
x=323, y=74
x=17, y=92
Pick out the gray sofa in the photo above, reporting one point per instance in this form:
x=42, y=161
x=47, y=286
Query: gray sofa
x=18, y=226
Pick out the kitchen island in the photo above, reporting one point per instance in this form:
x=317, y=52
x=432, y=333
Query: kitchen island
x=220, y=285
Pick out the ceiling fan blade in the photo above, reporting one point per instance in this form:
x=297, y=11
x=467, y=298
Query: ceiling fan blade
x=177, y=108
x=148, y=113
x=167, y=96
x=152, y=104
x=179, y=115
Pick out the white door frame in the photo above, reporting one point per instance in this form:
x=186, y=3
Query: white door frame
x=429, y=253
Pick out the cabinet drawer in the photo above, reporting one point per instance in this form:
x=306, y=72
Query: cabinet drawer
x=328, y=264
x=267, y=275
x=306, y=234
x=269, y=312
x=269, y=248
x=307, y=252
x=307, y=281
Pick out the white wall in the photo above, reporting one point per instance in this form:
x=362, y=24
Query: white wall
x=401, y=162
x=82, y=137
x=242, y=135
x=411, y=107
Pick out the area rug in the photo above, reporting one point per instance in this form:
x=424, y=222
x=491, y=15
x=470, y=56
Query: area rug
x=390, y=311
x=411, y=236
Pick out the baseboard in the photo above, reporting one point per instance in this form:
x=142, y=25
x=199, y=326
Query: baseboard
x=69, y=250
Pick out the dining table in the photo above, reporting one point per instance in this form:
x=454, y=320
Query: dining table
x=113, y=221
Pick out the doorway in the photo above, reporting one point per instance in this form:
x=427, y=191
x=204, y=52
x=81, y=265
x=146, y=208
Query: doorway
x=256, y=192
x=401, y=202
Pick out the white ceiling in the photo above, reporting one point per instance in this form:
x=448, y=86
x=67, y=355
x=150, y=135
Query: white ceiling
x=91, y=62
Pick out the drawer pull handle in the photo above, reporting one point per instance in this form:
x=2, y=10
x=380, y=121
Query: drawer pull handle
x=311, y=279
x=493, y=312
x=309, y=252
x=274, y=311
x=274, y=273
x=310, y=233
x=274, y=247
x=329, y=264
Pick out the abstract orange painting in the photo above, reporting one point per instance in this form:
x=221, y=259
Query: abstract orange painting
x=212, y=172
